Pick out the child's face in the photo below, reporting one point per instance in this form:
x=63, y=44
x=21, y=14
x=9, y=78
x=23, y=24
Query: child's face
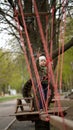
x=42, y=62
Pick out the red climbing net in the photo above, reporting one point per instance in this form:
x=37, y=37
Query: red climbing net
x=47, y=54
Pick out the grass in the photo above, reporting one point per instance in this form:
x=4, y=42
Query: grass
x=8, y=98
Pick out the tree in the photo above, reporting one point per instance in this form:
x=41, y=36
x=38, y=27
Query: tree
x=12, y=70
x=54, y=11
x=8, y=19
x=4, y=73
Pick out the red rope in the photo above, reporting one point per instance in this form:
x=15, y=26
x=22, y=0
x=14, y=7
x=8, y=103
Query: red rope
x=33, y=60
x=61, y=67
x=40, y=28
x=47, y=55
x=63, y=26
x=46, y=52
x=52, y=33
x=45, y=46
x=25, y=54
x=47, y=28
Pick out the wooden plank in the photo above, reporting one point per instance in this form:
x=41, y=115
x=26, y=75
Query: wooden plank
x=51, y=110
x=61, y=123
x=36, y=115
x=33, y=14
x=58, y=122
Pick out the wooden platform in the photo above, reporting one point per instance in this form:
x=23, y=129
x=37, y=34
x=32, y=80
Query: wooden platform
x=25, y=111
x=35, y=115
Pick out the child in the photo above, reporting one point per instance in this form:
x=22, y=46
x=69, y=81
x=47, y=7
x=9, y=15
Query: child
x=42, y=69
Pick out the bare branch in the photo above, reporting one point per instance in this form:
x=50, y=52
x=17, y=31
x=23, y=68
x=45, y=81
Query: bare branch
x=66, y=47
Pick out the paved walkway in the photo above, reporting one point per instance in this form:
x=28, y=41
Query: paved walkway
x=23, y=125
x=6, y=109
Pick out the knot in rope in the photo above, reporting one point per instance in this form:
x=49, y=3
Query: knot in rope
x=49, y=60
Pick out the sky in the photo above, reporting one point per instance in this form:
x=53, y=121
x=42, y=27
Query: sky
x=4, y=37
x=7, y=42
x=4, y=40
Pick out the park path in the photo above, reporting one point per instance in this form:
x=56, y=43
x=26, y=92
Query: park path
x=23, y=125
x=6, y=109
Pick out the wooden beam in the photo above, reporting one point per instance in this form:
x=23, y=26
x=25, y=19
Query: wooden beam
x=58, y=122
x=61, y=123
x=33, y=14
x=36, y=115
